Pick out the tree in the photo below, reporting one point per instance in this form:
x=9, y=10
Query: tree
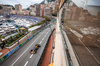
x=53, y=14
x=18, y=35
x=1, y=7
x=0, y=36
x=28, y=8
x=13, y=8
x=3, y=37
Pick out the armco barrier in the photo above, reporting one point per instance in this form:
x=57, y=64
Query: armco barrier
x=23, y=42
x=12, y=51
x=2, y=59
x=15, y=49
x=8, y=54
x=30, y=37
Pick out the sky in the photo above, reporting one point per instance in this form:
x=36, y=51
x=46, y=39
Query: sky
x=24, y=3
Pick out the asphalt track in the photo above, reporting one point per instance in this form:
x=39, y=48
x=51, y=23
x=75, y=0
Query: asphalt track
x=22, y=57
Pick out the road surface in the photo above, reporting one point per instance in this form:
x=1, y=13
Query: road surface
x=22, y=57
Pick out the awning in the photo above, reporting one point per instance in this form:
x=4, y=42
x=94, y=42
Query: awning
x=22, y=28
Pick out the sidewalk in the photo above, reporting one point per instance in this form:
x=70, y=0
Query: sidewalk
x=47, y=55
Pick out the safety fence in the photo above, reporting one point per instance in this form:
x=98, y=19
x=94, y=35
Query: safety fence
x=16, y=48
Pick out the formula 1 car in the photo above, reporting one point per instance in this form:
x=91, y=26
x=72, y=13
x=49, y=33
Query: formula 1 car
x=34, y=50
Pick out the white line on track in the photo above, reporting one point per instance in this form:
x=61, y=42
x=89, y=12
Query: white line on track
x=24, y=51
x=26, y=63
x=40, y=42
x=31, y=56
x=43, y=38
x=45, y=35
x=42, y=32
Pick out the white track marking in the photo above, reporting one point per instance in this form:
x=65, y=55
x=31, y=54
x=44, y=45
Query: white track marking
x=40, y=42
x=24, y=51
x=31, y=56
x=43, y=38
x=26, y=63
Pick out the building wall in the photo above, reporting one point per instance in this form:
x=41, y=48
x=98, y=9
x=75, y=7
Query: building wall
x=1, y=12
x=32, y=11
x=42, y=9
x=47, y=12
x=37, y=10
x=7, y=9
x=18, y=7
x=13, y=12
